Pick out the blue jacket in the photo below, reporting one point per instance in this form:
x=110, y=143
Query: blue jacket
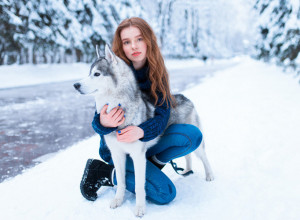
x=152, y=127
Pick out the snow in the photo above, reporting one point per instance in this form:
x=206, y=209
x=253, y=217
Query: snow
x=42, y=73
x=251, y=121
x=14, y=19
x=29, y=74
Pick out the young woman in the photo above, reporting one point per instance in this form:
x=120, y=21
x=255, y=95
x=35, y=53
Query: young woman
x=136, y=44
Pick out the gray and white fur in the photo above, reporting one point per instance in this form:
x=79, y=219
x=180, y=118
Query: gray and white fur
x=112, y=81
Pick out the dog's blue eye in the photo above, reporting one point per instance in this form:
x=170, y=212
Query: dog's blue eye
x=96, y=74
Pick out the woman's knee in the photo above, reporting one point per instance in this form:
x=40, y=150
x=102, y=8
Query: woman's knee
x=162, y=196
x=196, y=135
x=159, y=188
x=190, y=133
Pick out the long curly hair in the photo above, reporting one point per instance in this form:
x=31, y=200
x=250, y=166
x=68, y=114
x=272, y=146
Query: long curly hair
x=158, y=74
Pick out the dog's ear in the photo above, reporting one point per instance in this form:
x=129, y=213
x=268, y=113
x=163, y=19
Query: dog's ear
x=97, y=51
x=109, y=55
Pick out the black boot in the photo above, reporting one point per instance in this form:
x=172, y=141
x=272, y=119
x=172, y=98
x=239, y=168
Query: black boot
x=96, y=174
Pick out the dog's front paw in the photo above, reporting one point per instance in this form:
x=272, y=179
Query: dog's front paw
x=140, y=210
x=116, y=202
x=210, y=177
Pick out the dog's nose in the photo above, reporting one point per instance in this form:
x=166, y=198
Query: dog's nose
x=77, y=85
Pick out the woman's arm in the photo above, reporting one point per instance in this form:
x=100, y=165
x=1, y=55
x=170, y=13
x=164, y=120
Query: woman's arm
x=156, y=125
x=149, y=129
x=108, y=122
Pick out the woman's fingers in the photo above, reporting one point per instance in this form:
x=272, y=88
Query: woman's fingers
x=113, y=111
x=127, y=135
x=130, y=134
x=113, y=118
x=124, y=130
x=119, y=115
x=124, y=137
x=121, y=122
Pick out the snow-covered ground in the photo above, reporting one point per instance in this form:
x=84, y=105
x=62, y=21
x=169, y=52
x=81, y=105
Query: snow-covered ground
x=28, y=74
x=251, y=121
x=25, y=75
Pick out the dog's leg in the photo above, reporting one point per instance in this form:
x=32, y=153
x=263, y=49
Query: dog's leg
x=139, y=161
x=119, y=159
x=200, y=152
x=188, y=161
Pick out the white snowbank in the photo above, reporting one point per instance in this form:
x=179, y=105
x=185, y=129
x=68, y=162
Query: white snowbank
x=27, y=74
x=251, y=121
x=24, y=75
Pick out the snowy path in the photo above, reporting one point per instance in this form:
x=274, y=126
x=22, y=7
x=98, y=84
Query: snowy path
x=250, y=114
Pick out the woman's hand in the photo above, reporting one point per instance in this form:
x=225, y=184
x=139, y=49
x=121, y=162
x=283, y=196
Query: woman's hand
x=112, y=119
x=130, y=134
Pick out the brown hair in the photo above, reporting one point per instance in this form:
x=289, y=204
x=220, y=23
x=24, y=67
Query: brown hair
x=158, y=74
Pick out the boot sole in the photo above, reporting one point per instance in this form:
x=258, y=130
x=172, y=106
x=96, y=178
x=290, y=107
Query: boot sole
x=85, y=173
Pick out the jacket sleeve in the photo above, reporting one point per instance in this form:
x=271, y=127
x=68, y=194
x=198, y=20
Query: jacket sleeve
x=98, y=128
x=156, y=125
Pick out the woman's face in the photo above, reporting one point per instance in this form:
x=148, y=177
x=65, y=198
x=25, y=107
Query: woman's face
x=134, y=46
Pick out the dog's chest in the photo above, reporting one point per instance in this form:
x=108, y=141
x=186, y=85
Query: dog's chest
x=127, y=148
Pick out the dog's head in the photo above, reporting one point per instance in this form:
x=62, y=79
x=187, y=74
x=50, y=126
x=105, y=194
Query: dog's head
x=102, y=74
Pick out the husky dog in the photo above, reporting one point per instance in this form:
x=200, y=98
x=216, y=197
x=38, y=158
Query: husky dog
x=112, y=81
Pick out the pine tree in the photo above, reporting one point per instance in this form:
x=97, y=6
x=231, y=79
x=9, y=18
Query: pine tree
x=279, y=26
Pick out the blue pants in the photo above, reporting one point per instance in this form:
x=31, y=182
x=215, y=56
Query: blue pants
x=177, y=141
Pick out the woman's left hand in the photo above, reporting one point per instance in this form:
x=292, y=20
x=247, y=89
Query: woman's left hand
x=130, y=134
